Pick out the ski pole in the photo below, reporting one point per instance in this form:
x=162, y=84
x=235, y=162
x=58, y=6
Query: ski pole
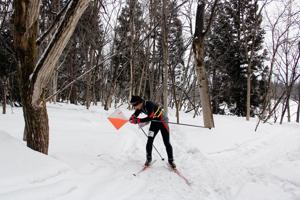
x=153, y=144
x=182, y=124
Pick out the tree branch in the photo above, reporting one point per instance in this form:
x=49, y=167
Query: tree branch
x=56, y=22
x=213, y=9
x=199, y=25
x=46, y=65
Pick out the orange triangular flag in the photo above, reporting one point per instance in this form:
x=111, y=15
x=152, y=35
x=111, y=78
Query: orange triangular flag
x=117, y=119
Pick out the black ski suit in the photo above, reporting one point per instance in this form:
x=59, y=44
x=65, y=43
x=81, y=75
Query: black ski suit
x=158, y=120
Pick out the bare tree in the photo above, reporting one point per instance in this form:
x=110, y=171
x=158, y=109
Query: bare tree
x=298, y=108
x=165, y=53
x=131, y=46
x=4, y=85
x=198, y=49
x=284, y=57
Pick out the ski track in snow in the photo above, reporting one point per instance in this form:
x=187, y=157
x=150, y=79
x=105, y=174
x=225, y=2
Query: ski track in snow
x=93, y=161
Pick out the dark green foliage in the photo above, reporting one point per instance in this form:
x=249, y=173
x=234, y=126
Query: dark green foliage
x=7, y=59
x=8, y=65
x=229, y=42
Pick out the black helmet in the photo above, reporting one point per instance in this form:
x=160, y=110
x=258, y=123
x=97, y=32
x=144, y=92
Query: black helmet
x=135, y=100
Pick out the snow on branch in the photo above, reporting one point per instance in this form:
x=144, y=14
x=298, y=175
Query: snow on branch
x=54, y=24
x=46, y=64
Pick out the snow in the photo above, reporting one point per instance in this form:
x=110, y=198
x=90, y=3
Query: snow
x=90, y=159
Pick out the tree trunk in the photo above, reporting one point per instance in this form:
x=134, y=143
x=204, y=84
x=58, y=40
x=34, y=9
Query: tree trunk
x=88, y=94
x=147, y=70
x=56, y=8
x=132, y=35
x=248, y=105
x=175, y=98
x=151, y=74
x=4, y=96
x=298, y=109
x=36, y=125
x=34, y=76
x=95, y=89
x=215, y=101
x=176, y=105
x=90, y=64
x=286, y=104
x=142, y=80
x=45, y=67
x=25, y=35
x=165, y=54
x=54, y=86
x=288, y=110
x=152, y=8
x=198, y=49
x=72, y=97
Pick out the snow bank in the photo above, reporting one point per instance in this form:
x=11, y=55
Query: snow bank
x=22, y=167
x=90, y=159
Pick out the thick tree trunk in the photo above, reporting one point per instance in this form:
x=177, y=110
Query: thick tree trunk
x=25, y=35
x=36, y=125
x=198, y=49
x=34, y=75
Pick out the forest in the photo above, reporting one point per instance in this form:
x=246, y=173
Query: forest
x=226, y=57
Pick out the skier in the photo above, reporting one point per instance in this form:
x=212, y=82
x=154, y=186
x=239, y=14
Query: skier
x=158, y=119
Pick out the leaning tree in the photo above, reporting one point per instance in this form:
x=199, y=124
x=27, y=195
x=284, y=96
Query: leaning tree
x=35, y=71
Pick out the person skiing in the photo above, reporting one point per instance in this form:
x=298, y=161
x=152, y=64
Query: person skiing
x=158, y=119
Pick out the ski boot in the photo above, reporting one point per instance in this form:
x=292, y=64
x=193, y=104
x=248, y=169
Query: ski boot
x=172, y=164
x=148, y=162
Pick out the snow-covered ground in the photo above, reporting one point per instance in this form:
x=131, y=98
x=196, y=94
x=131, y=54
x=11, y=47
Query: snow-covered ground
x=90, y=159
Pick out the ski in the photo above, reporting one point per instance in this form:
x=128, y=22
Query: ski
x=144, y=168
x=176, y=171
